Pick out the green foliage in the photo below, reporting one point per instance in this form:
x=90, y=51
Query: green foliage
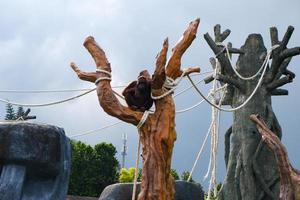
x=174, y=174
x=20, y=112
x=212, y=196
x=127, y=175
x=92, y=168
x=185, y=175
x=10, y=112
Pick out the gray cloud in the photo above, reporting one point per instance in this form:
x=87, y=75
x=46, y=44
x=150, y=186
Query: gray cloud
x=39, y=39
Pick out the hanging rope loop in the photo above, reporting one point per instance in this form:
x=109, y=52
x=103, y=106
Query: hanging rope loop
x=264, y=69
x=235, y=69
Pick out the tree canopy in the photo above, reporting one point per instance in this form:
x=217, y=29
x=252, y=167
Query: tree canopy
x=92, y=168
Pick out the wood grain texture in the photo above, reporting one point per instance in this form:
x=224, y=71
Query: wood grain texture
x=158, y=132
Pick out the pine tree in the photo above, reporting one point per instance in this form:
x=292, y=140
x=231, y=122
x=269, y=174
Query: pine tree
x=10, y=113
x=20, y=112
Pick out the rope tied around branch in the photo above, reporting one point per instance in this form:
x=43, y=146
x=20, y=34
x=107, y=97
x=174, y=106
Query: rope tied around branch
x=169, y=86
x=102, y=78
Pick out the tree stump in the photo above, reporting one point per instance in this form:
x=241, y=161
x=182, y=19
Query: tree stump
x=289, y=176
x=251, y=168
x=158, y=133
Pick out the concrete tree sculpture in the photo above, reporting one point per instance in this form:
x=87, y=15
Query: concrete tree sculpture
x=289, y=176
x=157, y=134
x=251, y=168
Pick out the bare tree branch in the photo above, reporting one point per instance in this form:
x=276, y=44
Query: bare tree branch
x=279, y=92
x=290, y=73
x=290, y=52
x=159, y=75
x=280, y=54
x=236, y=51
x=287, y=36
x=219, y=52
x=174, y=63
x=283, y=68
x=220, y=37
x=280, y=82
x=208, y=79
x=106, y=97
x=85, y=76
x=230, y=80
x=289, y=176
x=274, y=35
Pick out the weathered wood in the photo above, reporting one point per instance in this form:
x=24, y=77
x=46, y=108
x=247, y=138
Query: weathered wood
x=274, y=35
x=290, y=52
x=280, y=82
x=251, y=169
x=279, y=92
x=289, y=176
x=158, y=133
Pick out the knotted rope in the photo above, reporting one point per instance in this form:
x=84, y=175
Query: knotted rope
x=169, y=86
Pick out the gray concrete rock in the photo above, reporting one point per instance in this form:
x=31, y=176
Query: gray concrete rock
x=123, y=191
x=35, y=162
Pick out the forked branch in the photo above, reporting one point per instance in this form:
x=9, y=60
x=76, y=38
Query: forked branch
x=281, y=56
x=174, y=63
x=106, y=97
x=220, y=51
x=159, y=75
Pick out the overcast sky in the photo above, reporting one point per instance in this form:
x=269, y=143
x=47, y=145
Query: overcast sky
x=39, y=39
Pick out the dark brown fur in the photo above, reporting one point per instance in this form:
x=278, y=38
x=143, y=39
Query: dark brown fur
x=138, y=93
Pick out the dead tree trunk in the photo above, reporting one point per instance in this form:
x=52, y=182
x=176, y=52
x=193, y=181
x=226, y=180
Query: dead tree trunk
x=251, y=168
x=289, y=176
x=158, y=132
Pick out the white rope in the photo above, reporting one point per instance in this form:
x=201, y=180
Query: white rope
x=46, y=104
x=54, y=91
x=214, y=145
x=200, y=152
x=188, y=88
x=213, y=92
x=136, y=168
x=54, y=102
x=169, y=86
x=143, y=119
x=140, y=124
x=234, y=68
x=265, y=64
x=189, y=108
x=103, y=71
x=85, y=89
x=46, y=91
x=103, y=78
x=95, y=130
